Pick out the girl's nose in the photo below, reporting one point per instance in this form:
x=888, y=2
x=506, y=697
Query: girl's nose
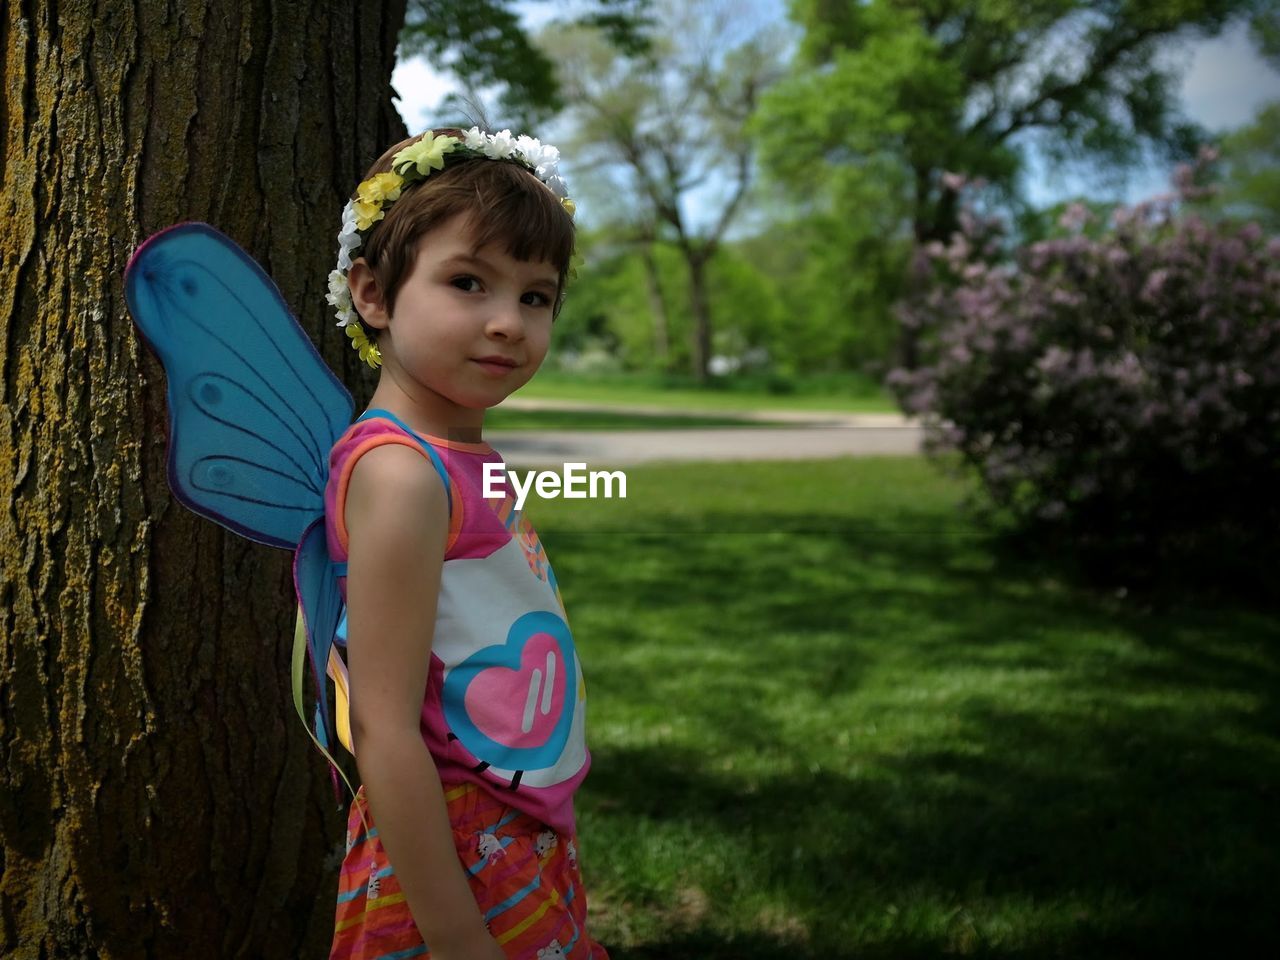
x=507, y=320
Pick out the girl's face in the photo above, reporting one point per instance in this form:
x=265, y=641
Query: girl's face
x=470, y=326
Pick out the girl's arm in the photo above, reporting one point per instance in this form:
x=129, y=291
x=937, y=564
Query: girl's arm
x=397, y=522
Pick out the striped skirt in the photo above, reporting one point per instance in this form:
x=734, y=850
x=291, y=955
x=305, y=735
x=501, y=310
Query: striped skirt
x=524, y=876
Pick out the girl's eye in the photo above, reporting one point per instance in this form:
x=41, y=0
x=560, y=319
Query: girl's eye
x=469, y=284
x=536, y=299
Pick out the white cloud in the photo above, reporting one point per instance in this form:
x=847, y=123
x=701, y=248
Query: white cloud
x=420, y=90
x=1228, y=81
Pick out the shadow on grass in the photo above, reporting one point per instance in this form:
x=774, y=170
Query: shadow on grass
x=1111, y=792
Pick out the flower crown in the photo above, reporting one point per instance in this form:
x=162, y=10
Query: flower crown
x=417, y=162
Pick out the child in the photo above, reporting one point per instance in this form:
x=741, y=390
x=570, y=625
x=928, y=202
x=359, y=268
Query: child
x=466, y=698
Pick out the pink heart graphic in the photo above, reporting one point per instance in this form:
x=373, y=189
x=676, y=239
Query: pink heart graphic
x=520, y=708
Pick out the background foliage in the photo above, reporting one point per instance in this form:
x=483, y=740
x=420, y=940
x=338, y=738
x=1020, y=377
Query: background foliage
x=856, y=142
x=1117, y=391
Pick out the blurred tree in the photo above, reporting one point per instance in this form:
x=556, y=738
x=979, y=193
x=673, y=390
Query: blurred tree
x=484, y=44
x=614, y=298
x=1265, y=28
x=839, y=269
x=1249, y=169
x=746, y=307
x=158, y=797
x=896, y=94
x=653, y=130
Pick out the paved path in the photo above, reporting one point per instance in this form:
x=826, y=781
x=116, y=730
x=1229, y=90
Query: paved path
x=816, y=435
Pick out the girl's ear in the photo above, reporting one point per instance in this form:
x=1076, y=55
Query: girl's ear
x=365, y=294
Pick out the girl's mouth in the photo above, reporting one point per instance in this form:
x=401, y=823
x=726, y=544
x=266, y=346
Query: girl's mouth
x=494, y=368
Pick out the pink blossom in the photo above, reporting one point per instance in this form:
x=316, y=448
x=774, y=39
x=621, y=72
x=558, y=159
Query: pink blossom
x=1074, y=217
x=1155, y=284
x=1055, y=360
x=1071, y=371
x=1183, y=177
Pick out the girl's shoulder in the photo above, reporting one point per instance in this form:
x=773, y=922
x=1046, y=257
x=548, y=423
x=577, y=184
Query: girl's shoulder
x=373, y=431
x=382, y=426
x=349, y=450
x=362, y=433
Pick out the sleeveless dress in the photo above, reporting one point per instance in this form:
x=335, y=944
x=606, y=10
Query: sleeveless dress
x=502, y=716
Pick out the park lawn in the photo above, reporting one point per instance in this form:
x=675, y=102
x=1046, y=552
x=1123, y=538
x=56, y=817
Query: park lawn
x=850, y=394
x=499, y=418
x=827, y=721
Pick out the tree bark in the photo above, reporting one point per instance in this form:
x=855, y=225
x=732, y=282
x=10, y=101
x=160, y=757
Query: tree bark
x=657, y=305
x=701, y=316
x=158, y=797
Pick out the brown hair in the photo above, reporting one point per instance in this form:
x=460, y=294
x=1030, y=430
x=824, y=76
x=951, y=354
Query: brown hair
x=505, y=204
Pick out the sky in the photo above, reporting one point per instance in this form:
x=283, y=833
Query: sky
x=1224, y=84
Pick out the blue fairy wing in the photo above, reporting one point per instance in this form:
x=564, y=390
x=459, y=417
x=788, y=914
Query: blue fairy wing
x=253, y=408
x=321, y=608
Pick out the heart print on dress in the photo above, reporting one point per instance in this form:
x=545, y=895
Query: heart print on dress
x=512, y=704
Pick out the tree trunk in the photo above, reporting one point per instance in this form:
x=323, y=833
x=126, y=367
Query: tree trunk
x=158, y=797
x=922, y=222
x=931, y=221
x=701, y=316
x=657, y=306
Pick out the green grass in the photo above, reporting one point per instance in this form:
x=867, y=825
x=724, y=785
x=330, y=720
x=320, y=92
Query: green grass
x=828, y=721
x=500, y=419
x=850, y=393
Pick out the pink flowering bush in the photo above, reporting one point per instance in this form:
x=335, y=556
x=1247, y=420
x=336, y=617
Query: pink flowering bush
x=1117, y=388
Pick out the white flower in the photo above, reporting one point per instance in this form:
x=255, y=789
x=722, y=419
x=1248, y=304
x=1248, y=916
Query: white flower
x=339, y=294
x=547, y=161
x=500, y=146
x=337, y=284
x=348, y=221
x=543, y=157
x=475, y=139
x=529, y=149
x=557, y=185
x=348, y=237
x=346, y=316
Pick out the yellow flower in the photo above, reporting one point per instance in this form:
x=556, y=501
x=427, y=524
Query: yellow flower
x=366, y=213
x=380, y=188
x=570, y=207
x=426, y=155
x=369, y=351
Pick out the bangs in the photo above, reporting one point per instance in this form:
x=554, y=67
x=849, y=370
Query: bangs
x=512, y=210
